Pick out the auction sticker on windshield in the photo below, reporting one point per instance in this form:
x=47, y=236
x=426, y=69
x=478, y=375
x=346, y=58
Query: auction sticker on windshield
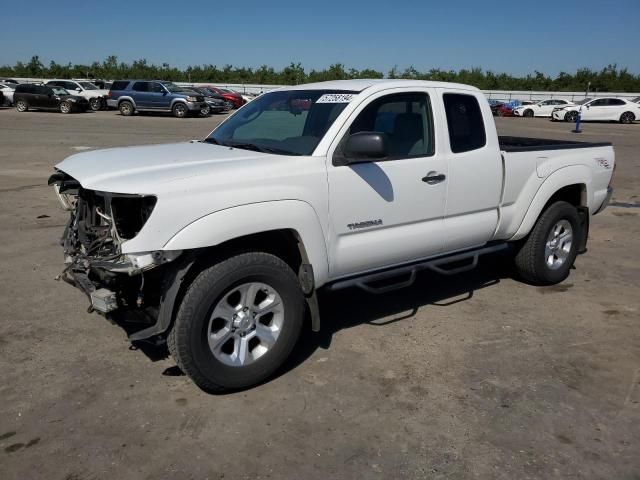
x=336, y=98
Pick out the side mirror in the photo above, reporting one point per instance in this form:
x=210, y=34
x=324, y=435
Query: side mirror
x=365, y=147
x=78, y=89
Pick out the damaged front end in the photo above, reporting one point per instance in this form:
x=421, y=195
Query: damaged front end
x=125, y=287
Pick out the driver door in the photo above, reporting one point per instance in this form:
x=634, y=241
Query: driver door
x=594, y=110
x=388, y=212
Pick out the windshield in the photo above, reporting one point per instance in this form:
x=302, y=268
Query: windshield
x=582, y=102
x=172, y=87
x=59, y=91
x=88, y=86
x=286, y=122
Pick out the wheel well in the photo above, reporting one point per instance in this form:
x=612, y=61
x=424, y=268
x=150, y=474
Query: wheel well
x=285, y=244
x=575, y=194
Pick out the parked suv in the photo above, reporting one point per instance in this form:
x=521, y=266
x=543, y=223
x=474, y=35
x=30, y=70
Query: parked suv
x=96, y=96
x=44, y=97
x=130, y=96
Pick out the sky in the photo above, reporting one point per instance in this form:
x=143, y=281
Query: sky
x=514, y=36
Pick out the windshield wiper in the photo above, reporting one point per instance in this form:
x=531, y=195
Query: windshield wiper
x=254, y=147
x=248, y=146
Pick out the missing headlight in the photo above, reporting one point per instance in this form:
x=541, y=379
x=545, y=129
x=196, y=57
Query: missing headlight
x=130, y=213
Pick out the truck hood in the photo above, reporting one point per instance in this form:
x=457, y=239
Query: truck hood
x=155, y=168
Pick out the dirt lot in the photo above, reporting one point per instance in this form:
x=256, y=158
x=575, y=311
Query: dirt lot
x=477, y=376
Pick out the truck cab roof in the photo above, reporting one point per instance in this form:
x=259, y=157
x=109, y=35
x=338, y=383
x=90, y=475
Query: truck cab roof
x=359, y=85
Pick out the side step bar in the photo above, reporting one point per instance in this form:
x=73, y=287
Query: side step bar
x=437, y=265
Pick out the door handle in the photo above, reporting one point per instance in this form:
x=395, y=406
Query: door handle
x=434, y=177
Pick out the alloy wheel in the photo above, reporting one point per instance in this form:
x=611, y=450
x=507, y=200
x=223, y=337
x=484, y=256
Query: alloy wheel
x=558, y=245
x=245, y=324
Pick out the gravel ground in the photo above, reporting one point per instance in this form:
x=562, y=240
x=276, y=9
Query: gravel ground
x=475, y=376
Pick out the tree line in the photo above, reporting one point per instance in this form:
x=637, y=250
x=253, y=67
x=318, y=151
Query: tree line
x=611, y=78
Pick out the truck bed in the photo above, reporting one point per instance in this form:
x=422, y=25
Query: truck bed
x=528, y=144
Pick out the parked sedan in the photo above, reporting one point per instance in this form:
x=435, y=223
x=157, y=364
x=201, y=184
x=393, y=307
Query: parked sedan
x=7, y=90
x=235, y=98
x=604, y=109
x=43, y=97
x=216, y=103
x=227, y=104
x=541, y=109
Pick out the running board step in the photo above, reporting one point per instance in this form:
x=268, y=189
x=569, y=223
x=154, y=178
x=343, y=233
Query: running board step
x=437, y=265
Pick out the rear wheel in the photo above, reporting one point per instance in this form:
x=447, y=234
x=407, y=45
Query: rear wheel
x=238, y=322
x=180, y=110
x=65, y=107
x=571, y=117
x=548, y=253
x=22, y=106
x=627, y=117
x=126, y=108
x=95, y=104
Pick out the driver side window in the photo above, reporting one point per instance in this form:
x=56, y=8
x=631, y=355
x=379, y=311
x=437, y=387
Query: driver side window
x=156, y=88
x=405, y=118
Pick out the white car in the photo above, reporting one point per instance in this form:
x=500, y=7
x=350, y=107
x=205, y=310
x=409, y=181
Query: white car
x=541, y=109
x=611, y=109
x=97, y=97
x=7, y=90
x=221, y=244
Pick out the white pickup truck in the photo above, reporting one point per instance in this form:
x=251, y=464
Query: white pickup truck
x=218, y=246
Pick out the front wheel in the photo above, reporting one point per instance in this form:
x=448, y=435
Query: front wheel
x=571, y=117
x=180, y=110
x=528, y=113
x=238, y=322
x=65, y=107
x=548, y=253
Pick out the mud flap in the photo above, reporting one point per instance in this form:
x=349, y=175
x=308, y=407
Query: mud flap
x=583, y=214
x=167, y=301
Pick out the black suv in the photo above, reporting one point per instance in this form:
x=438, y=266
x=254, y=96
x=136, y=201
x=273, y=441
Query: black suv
x=43, y=97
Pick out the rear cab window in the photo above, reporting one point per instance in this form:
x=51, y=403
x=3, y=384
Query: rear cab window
x=465, y=122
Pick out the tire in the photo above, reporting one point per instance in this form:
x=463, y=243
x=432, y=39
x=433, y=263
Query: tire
x=205, y=111
x=95, y=104
x=126, y=108
x=571, y=117
x=528, y=113
x=66, y=107
x=548, y=253
x=180, y=110
x=627, y=117
x=22, y=106
x=216, y=290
